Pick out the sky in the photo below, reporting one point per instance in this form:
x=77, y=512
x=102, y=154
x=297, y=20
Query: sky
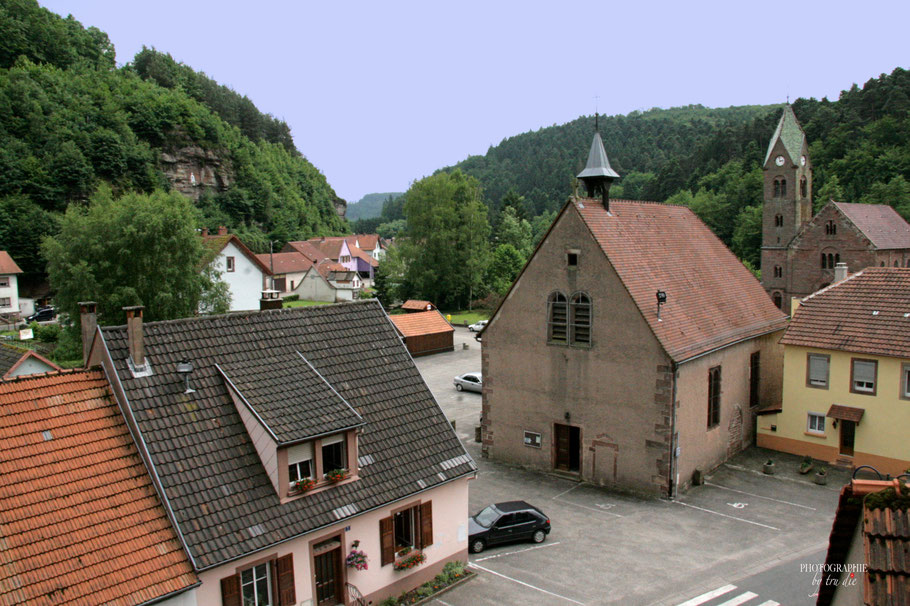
x=381, y=94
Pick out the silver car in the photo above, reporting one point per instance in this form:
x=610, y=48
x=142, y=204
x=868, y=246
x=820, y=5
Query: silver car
x=478, y=326
x=469, y=381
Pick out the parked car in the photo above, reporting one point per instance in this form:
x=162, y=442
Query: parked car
x=507, y=523
x=477, y=326
x=43, y=314
x=470, y=381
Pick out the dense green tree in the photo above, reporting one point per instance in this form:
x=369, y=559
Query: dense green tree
x=445, y=244
x=390, y=229
x=747, y=235
x=138, y=249
x=505, y=264
x=23, y=224
x=515, y=232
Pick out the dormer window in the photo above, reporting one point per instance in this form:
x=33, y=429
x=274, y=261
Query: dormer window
x=333, y=454
x=300, y=463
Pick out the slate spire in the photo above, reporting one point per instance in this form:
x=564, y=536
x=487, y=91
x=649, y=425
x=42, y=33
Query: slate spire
x=598, y=175
x=790, y=134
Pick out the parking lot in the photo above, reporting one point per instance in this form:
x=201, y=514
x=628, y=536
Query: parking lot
x=612, y=548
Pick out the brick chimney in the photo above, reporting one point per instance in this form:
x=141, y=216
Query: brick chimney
x=222, y=230
x=88, y=316
x=205, y=231
x=134, y=338
x=840, y=272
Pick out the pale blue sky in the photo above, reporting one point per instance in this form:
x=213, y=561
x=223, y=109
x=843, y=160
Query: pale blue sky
x=379, y=94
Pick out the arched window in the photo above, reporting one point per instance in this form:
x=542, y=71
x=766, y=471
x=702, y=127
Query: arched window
x=836, y=258
x=824, y=261
x=580, y=313
x=557, y=317
x=776, y=188
x=896, y=264
x=783, y=188
x=778, y=300
x=803, y=187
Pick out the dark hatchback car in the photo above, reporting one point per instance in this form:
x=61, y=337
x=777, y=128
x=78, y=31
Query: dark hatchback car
x=44, y=314
x=507, y=523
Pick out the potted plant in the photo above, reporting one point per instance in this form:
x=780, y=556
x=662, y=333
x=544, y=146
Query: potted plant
x=821, y=476
x=806, y=466
x=304, y=484
x=337, y=475
x=356, y=559
x=410, y=561
x=768, y=467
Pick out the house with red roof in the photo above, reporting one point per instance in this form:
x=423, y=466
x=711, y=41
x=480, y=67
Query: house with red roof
x=80, y=519
x=425, y=332
x=288, y=269
x=344, y=250
x=9, y=286
x=245, y=274
x=800, y=251
x=329, y=281
x=633, y=348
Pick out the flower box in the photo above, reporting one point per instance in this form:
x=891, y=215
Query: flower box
x=336, y=475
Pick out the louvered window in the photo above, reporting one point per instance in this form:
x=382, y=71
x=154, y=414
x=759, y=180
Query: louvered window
x=558, y=316
x=581, y=318
x=864, y=376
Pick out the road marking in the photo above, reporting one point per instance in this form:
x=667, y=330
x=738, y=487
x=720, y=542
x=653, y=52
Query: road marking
x=741, y=598
x=609, y=513
x=758, y=473
x=708, y=596
x=770, y=603
x=499, y=555
x=447, y=604
x=566, y=491
x=738, y=505
x=717, y=513
x=759, y=496
x=555, y=595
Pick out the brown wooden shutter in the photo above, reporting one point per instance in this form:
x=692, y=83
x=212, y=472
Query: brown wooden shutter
x=386, y=540
x=230, y=591
x=285, y=572
x=426, y=524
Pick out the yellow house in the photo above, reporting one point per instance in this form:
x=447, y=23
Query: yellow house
x=846, y=392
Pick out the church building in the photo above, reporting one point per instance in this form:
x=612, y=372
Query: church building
x=799, y=251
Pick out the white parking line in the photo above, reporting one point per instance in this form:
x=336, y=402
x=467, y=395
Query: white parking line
x=499, y=555
x=752, y=494
x=723, y=515
x=740, y=599
x=567, y=491
x=555, y=595
x=701, y=599
x=758, y=473
x=770, y=603
x=615, y=515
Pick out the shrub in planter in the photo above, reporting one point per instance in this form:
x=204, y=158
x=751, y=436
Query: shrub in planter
x=807, y=465
x=410, y=561
x=821, y=477
x=304, y=484
x=336, y=475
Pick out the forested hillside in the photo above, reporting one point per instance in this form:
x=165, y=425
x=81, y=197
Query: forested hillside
x=369, y=206
x=710, y=159
x=70, y=120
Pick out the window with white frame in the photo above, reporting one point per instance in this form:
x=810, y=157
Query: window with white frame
x=905, y=381
x=818, y=370
x=300, y=462
x=816, y=423
x=256, y=586
x=229, y=263
x=863, y=376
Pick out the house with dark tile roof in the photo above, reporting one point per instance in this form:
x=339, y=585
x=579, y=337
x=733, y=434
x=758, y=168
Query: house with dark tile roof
x=80, y=521
x=279, y=439
x=245, y=275
x=800, y=251
x=868, y=559
x=633, y=348
x=846, y=390
x=425, y=332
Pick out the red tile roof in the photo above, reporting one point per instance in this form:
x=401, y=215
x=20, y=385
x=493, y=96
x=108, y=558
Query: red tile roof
x=864, y=313
x=328, y=266
x=880, y=223
x=713, y=300
x=306, y=249
x=331, y=247
x=421, y=323
x=366, y=241
x=286, y=262
x=7, y=265
x=415, y=305
x=79, y=519
x=846, y=413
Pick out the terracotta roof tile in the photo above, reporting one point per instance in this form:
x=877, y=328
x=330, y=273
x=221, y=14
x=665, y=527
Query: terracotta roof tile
x=306, y=249
x=79, y=519
x=7, y=265
x=713, y=300
x=869, y=312
x=880, y=223
x=416, y=305
x=286, y=262
x=421, y=323
x=846, y=413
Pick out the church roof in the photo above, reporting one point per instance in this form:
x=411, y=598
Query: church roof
x=790, y=133
x=879, y=222
x=598, y=165
x=713, y=300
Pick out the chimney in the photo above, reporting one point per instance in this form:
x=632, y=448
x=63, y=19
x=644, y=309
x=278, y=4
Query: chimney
x=222, y=230
x=205, y=231
x=134, y=336
x=88, y=316
x=270, y=300
x=840, y=272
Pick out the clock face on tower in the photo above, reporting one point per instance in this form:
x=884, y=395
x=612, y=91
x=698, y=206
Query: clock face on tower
x=779, y=160
x=802, y=160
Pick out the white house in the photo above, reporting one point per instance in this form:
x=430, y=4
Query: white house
x=244, y=274
x=329, y=281
x=9, y=285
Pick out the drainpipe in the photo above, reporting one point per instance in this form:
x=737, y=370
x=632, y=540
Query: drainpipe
x=674, y=442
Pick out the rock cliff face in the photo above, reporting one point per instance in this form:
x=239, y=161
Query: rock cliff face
x=341, y=206
x=191, y=170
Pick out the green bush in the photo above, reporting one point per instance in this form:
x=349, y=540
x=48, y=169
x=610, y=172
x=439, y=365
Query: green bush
x=393, y=601
x=48, y=333
x=287, y=298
